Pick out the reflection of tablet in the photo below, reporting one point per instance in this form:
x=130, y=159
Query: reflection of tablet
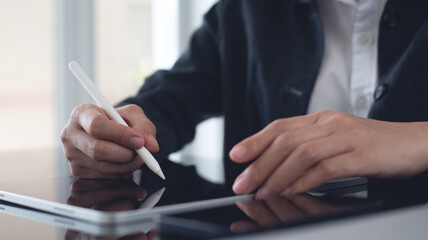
x=142, y=226
x=122, y=200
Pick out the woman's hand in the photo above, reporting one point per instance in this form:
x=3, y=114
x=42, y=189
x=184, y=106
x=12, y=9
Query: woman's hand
x=295, y=155
x=97, y=147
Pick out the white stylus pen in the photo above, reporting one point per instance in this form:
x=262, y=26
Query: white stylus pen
x=102, y=102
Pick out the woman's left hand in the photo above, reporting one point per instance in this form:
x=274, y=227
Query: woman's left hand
x=297, y=154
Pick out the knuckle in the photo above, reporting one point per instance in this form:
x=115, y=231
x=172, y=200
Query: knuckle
x=149, y=126
x=328, y=168
x=97, y=125
x=121, y=137
x=97, y=151
x=255, y=176
x=69, y=154
x=277, y=124
x=306, y=151
x=340, y=118
x=64, y=135
x=78, y=110
x=283, y=139
x=133, y=108
x=284, y=143
x=75, y=171
x=326, y=112
x=75, y=113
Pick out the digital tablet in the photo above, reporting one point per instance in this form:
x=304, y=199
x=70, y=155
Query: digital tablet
x=114, y=201
x=118, y=201
x=267, y=215
x=80, y=227
x=217, y=221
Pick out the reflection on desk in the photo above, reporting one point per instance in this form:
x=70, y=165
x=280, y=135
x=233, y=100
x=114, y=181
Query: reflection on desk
x=285, y=216
x=238, y=218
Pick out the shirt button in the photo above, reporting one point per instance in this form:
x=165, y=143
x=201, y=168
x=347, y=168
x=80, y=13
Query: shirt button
x=361, y=103
x=390, y=19
x=363, y=39
x=380, y=91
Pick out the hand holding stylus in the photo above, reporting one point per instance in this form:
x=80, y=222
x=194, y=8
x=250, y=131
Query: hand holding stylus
x=97, y=147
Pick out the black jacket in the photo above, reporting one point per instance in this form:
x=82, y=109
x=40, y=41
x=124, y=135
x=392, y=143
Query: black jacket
x=254, y=61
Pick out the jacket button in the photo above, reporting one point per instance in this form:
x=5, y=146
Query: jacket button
x=380, y=91
x=390, y=19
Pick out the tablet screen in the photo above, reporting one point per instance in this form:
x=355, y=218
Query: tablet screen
x=266, y=215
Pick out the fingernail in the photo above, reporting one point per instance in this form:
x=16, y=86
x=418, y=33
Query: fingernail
x=286, y=193
x=238, y=152
x=263, y=193
x=240, y=186
x=137, y=142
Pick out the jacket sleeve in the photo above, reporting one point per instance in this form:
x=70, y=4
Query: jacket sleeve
x=176, y=100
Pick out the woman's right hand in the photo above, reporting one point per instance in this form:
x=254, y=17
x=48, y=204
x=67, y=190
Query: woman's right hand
x=97, y=147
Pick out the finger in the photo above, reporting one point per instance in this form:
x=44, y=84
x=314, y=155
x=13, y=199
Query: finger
x=299, y=161
x=137, y=120
x=260, y=170
x=343, y=165
x=253, y=146
x=284, y=209
x=96, y=123
x=101, y=150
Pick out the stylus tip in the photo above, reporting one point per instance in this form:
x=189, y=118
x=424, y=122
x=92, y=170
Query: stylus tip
x=160, y=174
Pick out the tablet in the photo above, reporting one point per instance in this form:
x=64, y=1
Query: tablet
x=82, y=227
x=267, y=215
x=217, y=221
x=118, y=201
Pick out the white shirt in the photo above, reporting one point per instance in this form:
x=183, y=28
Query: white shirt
x=348, y=73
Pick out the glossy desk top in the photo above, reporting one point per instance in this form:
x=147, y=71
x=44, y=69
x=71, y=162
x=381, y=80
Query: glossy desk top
x=340, y=211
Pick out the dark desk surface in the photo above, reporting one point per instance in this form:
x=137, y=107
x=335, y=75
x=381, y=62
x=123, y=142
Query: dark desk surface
x=277, y=215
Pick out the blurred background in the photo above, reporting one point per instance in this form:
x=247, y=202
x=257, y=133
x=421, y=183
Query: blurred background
x=118, y=42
